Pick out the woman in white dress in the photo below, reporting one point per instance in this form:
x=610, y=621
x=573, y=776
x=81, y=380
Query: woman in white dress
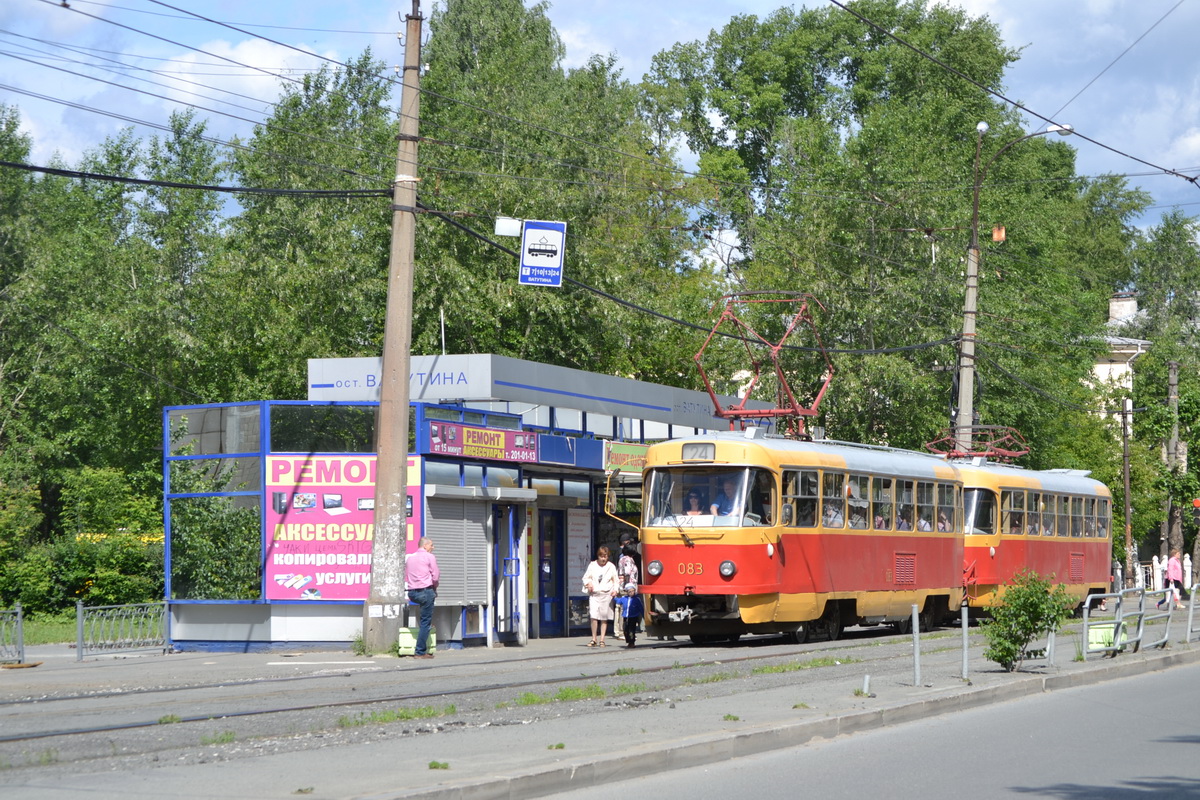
x=600, y=584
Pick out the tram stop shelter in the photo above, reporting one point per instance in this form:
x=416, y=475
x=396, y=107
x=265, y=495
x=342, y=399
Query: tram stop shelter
x=269, y=505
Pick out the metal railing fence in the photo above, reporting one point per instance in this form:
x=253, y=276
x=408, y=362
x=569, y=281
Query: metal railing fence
x=12, y=634
x=114, y=629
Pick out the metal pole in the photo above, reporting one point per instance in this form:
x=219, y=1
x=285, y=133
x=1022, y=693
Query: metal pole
x=382, y=613
x=1126, y=410
x=966, y=648
x=79, y=630
x=916, y=637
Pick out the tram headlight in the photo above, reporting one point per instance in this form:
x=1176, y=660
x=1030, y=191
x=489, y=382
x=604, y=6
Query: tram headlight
x=728, y=569
x=654, y=568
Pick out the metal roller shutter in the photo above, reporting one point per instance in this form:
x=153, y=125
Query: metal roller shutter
x=459, y=529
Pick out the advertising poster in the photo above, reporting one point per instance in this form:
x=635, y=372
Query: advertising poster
x=467, y=441
x=321, y=525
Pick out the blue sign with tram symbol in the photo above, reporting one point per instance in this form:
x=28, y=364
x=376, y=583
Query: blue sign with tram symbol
x=542, y=245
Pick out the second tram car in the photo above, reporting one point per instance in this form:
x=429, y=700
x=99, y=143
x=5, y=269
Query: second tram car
x=1053, y=522
x=745, y=533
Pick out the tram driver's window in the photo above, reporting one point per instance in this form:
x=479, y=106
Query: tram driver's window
x=762, y=498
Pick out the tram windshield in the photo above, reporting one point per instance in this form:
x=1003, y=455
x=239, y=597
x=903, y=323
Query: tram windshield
x=980, y=508
x=708, y=497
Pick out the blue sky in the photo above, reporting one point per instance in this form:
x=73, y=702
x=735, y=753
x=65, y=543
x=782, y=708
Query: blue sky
x=1146, y=104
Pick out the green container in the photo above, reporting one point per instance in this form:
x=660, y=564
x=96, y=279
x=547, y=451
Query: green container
x=1100, y=637
x=407, y=645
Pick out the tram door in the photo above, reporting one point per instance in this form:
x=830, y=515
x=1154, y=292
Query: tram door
x=507, y=525
x=552, y=596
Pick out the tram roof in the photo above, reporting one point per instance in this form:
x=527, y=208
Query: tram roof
x=847, y=455
x=881, y=459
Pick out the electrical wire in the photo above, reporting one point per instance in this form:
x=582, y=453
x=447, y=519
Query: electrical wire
x=96, y=176
x=1118, y=58
x=246, y=24
x=1195, y=181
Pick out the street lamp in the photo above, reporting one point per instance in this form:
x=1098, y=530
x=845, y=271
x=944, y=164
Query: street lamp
x=966, y=369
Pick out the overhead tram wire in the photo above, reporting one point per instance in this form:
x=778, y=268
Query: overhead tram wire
x=167, y=129
x=124, y=74
x=339, y=194
x=246, y=24
x=1118, y=58
x=384, y=159
x=1194, y=180
x=83, y=51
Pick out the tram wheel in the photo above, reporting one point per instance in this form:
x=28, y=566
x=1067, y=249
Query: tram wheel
x=831, y=621
x=798, y=636
x=903, y=626
x=929, y=617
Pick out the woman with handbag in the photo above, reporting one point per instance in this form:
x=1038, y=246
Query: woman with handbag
x=600, y=585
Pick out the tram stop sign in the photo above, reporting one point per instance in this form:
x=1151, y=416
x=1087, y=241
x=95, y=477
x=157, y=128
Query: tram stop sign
x=542, y=245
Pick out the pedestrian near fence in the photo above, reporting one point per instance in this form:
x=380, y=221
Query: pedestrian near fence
x=1174, y=582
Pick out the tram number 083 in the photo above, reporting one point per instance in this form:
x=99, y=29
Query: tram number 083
x=691, y=568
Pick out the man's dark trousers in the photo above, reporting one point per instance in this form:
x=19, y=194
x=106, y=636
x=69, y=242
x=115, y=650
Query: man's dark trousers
x=423, y=598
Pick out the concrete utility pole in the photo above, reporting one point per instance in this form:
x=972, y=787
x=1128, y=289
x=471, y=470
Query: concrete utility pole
x=382, y=613
x=965, y=421
x=1172, y=531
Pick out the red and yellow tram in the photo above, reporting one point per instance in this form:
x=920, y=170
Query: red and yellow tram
x=1053, y=522
x=745, y=533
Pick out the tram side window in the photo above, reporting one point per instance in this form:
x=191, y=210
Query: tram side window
x=881, y=503
x=1048, y=501
x=925, y=505
x=1064, y=516
x=945, y=507
x=1035, y=515
x=904, y=505
x=800, y=493
x=1012, y=512
x=857, y=493
x=1103, y=520
x=1089, y=516
x=1077, y=516
x=833, y=511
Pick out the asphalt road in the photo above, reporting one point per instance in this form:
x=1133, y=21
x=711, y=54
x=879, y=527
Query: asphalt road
x=1131, y=738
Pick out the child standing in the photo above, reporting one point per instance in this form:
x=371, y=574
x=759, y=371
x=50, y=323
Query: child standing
x=631, y=608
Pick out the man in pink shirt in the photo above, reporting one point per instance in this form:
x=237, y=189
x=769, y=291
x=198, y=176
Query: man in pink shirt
x=421, y=578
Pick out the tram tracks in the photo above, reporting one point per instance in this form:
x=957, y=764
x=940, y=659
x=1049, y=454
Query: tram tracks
x=282, y=713
x=146, y=709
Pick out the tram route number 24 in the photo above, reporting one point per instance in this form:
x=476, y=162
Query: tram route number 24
x=691, y=568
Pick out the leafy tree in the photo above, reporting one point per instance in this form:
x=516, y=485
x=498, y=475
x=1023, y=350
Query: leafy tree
x=510, y=133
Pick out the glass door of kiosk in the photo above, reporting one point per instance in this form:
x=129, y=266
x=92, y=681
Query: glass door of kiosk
x=507, y=523
x=552, y=594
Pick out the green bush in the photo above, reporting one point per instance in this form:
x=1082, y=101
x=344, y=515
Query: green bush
x=1031, y=608
x=99, y=569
